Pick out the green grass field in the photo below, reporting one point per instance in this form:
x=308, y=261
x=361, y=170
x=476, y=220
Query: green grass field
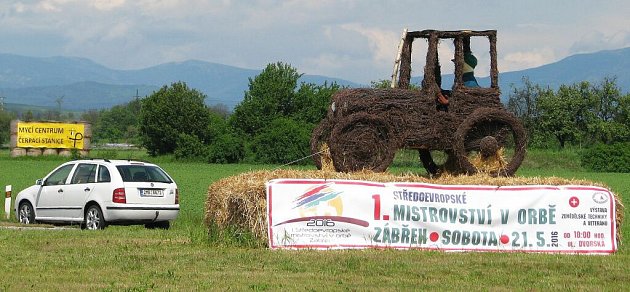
x=184, y=258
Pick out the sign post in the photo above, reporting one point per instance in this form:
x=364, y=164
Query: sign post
x=7, y=201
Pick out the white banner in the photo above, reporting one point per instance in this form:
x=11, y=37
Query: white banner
x=324, y=214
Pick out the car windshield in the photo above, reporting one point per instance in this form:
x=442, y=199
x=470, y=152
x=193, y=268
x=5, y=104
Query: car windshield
x=142, y=173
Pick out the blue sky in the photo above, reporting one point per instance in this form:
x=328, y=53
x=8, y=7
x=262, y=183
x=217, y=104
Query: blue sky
x=351, y=39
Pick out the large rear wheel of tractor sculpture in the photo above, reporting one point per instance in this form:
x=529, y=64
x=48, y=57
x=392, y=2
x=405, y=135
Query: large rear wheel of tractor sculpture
x=319, y=137
x=362, y=141
x=492, y=141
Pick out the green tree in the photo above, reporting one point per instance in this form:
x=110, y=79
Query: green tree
x=218, y=125
x=608, y=125
x=565, y=114
x=189, y=147
x=523, y=103
x=28, y=116
x=283, y=141
x=274, y=101
x=52, y=115
x=119, y=123
x=90, y=116
x=221, y=110
x=385, y=83
x=623, y=116
x=169, y=112
x=5, y=126
x=311, y=102
x=270, y=95
x=227, y=148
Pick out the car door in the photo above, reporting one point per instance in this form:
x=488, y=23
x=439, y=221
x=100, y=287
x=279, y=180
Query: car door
x=78, y=191
x=48, y=203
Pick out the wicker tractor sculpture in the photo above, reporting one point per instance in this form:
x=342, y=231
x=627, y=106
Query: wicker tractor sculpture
x=364, y=127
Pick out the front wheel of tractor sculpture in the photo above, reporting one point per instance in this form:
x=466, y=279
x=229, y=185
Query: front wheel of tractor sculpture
x=362, y=141
x=491, y=135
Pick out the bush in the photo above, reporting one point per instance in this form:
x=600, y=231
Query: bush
x=607, y=158
x=283, y=141
x=227, y=148
x=189, y=147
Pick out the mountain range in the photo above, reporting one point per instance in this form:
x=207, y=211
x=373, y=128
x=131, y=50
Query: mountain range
x=81, y=84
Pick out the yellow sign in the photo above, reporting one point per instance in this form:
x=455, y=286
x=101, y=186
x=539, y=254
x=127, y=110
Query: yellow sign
x=50, y=135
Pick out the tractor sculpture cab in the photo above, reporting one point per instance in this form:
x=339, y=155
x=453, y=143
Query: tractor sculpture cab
x=364, y=127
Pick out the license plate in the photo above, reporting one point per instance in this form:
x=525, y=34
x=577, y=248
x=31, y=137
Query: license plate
x=152, y=192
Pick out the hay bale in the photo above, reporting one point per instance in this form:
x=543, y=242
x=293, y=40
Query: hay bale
x=50, y=151
x=16, y=152
x=493, y=163
x=326, y=160
x=34, y=152
x=239, y=202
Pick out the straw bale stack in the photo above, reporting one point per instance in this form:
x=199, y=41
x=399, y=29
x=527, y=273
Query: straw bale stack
x=491, y=164
x=239, y=202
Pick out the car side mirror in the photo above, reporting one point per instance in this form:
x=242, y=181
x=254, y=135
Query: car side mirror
x=39, y=182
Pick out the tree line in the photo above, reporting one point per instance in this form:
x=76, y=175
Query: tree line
x=579, y=114
x=273, y=122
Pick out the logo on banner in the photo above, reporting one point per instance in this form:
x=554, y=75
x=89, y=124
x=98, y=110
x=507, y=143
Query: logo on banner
x=574, y=202
x=320, y=201
x=600, y=198
x=322, y=205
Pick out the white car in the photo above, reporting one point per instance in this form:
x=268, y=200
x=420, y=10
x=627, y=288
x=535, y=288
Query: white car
x=95, y=193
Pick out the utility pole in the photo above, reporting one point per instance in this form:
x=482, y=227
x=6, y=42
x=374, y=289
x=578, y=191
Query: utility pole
x=59, y=101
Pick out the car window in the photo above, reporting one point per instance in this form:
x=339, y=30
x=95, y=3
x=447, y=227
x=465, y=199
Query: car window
x=142, y=173
x=85, y=173
x=103, y=174
x=59, y=176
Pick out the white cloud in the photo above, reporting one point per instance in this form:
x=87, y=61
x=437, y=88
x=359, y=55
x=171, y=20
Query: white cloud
x=117, y=31
x=597, y=40
x=167, y=9
x=108, y=4
x=526, y=59
x=382, y=44
x=19, y=7
x=327, y=61
x=51, y=5
x=351, y=39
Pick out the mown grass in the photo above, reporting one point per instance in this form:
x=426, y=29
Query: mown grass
x=184, y=258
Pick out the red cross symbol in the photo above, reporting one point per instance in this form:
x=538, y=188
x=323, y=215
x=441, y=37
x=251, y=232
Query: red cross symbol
x=574, y=202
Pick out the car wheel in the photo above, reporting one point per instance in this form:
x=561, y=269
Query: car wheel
x=26, y=214
x=159, y=225
x=93, y=219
